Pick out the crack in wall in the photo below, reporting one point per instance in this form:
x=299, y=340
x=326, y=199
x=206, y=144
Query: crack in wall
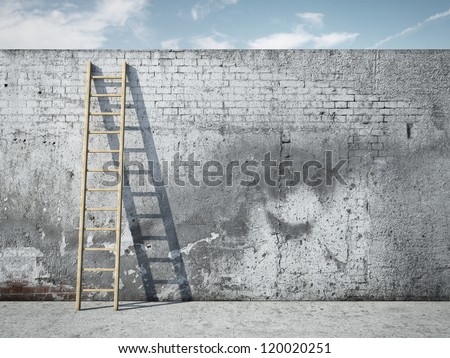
x=341, y=265
x=278, y=263
x=283, y=155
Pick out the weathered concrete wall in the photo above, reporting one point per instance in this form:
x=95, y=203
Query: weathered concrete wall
x=384, y=234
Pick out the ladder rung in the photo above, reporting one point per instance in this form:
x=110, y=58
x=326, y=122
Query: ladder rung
x=103, y=150
x=105, y=113
x=99, y=249
x=100, y=229
x=105, y=95
x=98, y=290
x=106, y=77
x=102, y=189
x=101, y=209
x=99, y=269
x=104, y=132
x=100, y=170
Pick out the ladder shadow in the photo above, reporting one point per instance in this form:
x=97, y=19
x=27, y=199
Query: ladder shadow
x=140, y=241
x=141, y=305
x=133, y=305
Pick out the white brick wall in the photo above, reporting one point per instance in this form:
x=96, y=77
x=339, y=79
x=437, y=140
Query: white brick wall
x=379, y=238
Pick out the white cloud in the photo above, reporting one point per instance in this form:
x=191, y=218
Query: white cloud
x=333, y=39
x=283, y=40
x=199, y=11
x=413, y=28
x=202, y=9
x=211, y=42
x=299, y=38
x=65, y=27
x=172, y=44
x=312, y=18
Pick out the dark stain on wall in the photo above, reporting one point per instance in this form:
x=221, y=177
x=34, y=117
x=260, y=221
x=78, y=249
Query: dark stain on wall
x=287, y=230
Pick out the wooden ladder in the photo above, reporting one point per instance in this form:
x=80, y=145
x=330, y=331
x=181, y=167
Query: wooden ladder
x=117, y=189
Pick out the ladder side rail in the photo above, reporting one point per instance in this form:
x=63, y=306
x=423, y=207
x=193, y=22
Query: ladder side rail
x=119, y=187
x=83, y=187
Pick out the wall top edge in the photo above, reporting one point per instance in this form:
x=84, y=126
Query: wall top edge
x=232, y=50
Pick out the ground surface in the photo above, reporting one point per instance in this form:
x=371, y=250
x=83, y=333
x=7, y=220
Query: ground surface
x=226, y=319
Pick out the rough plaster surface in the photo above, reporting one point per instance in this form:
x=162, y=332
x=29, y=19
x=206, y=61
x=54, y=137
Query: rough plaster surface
x=227, y=319
x=384, y=235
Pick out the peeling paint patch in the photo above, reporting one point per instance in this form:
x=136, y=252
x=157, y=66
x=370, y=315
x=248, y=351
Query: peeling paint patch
x=142, y=270
x=174, y=254
x=90, y=240
x=62, y=246
x=185, y=250
x=126, y=240
x=21, y=264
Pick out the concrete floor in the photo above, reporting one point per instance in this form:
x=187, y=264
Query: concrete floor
x=226, y=319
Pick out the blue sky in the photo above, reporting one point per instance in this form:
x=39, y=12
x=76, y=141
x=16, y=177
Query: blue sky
x=184, y=24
